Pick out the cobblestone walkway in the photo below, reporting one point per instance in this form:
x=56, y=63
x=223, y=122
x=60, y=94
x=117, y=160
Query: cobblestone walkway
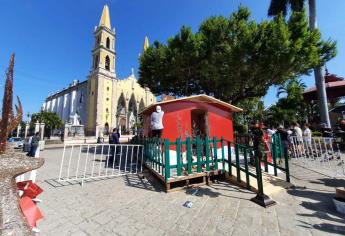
x=128, y=205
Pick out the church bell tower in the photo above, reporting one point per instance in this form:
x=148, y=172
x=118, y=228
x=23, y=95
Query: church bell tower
x=102, y=77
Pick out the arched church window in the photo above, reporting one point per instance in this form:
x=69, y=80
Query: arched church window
x=81, y=98
x=107, y=63
x=98, y=39
x=96, y=62
x=108, y=43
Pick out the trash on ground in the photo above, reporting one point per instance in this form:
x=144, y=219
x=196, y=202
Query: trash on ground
x=188, y=204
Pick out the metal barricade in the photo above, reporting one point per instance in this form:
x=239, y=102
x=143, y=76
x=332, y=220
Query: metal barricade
x=320, y=153
x=82, y=162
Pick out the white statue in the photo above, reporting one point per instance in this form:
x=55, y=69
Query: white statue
x=75, y=119
x=131, y=120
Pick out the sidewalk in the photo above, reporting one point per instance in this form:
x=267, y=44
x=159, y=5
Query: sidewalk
x=130, y=206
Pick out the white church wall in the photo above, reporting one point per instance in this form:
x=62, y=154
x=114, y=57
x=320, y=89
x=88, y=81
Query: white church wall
x=49, y=105
x=60, y=106
x=53, y=106
x=66, y=108
x=73, y=102
x=81, y=103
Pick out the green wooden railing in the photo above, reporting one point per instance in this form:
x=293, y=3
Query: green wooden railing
x=278, y=157
x=184, y=157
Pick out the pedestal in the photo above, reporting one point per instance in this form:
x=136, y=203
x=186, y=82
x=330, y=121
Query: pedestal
x=37, y=127
x=73, y=131
x=18, y=130
x=42, y=131
x=263, y=200
x=26, y=130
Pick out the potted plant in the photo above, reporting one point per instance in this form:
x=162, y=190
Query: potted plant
x=12, y=164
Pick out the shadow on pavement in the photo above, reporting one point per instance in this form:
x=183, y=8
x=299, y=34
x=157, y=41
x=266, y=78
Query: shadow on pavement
x=330, y=182
x=143, y=181
x=320, y=202
x=325, y=227
x=223, y=189
x=56, y=183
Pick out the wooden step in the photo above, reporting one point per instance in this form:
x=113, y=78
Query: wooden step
x=271, y=184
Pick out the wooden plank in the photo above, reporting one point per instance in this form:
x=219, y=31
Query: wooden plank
x=181, y=178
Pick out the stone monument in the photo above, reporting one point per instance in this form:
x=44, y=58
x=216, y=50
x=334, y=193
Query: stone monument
x=74, y=128
x=131, y=122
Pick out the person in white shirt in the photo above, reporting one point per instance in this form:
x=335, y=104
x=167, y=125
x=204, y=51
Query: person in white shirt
x=271, y=131
x=157, y=122
x=306, y=134
x=307, y=137
x=299, y=136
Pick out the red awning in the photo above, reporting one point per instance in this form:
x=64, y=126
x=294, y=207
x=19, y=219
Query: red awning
x=334, y=90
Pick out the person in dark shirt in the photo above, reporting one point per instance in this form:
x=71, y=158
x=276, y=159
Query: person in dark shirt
x=257, y=134
x=326, y=132
x=113, y=139
x=34, y=144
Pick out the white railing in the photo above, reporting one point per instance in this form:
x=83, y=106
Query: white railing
x=82, y=162
x=321, y=154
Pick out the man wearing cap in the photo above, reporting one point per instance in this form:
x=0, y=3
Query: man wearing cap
x=157, y=122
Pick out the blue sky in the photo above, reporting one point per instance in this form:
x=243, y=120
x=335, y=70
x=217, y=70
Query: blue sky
x=53, y=39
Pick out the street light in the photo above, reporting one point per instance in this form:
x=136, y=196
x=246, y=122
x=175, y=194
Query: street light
x=28, y=116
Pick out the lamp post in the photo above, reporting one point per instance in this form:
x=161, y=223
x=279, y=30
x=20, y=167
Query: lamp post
x=27, y=125
x=28, y=117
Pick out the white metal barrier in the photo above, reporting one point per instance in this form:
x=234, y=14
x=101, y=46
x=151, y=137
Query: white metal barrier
x=321, y=154
x=82, y=162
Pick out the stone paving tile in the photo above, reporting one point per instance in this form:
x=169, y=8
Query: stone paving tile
x=130, y=206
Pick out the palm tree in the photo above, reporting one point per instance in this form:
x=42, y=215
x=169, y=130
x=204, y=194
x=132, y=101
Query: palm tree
x=282, y=6
x=293, y=88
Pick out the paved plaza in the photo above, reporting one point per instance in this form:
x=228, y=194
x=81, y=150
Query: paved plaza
x=127, y=205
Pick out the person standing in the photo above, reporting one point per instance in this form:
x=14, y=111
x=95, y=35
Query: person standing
x=326, y=132
x=157, y=122
x=299, y=136
x=113, y=139
x=34, y=145
x=307, y=138
x=257, y=138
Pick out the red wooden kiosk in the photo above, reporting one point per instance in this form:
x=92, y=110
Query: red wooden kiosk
x=199, y=115
x=187, y=120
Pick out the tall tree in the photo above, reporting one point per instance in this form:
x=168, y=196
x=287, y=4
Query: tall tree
x=8, y=119
x=50, y=119
x=290, y=106
x=233, y=58
x=281, y=6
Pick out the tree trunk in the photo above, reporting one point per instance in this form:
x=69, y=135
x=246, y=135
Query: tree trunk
x=319, y=78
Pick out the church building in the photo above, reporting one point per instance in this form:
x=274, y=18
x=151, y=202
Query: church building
x=103, y=101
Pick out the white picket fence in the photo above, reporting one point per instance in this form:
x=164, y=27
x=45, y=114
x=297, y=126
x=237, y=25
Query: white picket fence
x=321, y=154
x=81, y=162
